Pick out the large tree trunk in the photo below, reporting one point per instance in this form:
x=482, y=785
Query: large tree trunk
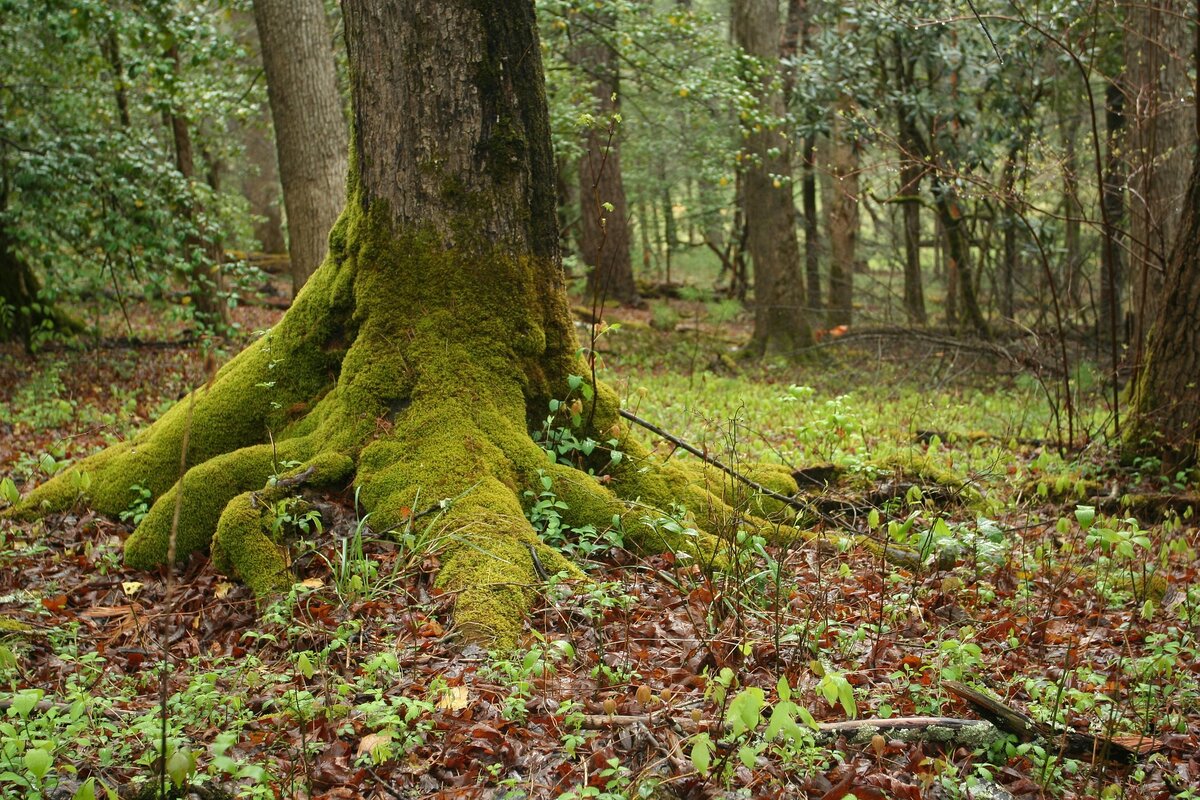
x=310, y=131
x=604, y=235
x=414, y=359
x=1157, y=41
x=780, y=323
x=1164, y=418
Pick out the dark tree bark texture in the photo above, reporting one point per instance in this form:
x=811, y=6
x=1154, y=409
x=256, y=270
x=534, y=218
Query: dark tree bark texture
x=1164, y=418
x=604, y=221
x=1158, y=42
x=781, y=326
x=310, y=131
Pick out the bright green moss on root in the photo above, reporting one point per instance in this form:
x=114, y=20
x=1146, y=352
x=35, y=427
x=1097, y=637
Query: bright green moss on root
x=259, y=390
x=206, y=489
x=242, y=546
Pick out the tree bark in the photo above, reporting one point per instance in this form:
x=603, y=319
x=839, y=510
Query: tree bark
x=415, y=359
x=1164, y=418
x=1112, y=267
x=1073, y=212
x=843, y=219
x=604, y=222
x=812, y=226
x=310, y=130
x=1157, y=42
x=781, y=326
x=261, y=186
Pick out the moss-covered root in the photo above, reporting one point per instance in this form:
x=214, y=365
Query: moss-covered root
x=243, y=547
x=269, y=385
x=491, y=558
x=206, y=490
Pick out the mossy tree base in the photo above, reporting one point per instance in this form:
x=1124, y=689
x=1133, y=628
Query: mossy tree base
x=416, y=391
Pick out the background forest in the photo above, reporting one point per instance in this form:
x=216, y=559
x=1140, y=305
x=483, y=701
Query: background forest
x=939, y=261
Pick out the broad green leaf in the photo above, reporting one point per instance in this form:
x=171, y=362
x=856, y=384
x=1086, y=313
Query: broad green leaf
x=304, y=665
x=38, y=761
x=1086, y=515
x=702, y=750
x=24, y=702
x=744, y=710
x=180, y=766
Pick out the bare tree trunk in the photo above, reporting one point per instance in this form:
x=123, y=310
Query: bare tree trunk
x=780, y=324
x=1009, y=257
x=812, y=225
x=111, y=46
x=1157, y=43
x=843, y=218
x=604, y=220
x=914, y=291
x=261, y=187
x=1073, y=212
x=1112, y=270
x=1164, y=417
x=310, y=129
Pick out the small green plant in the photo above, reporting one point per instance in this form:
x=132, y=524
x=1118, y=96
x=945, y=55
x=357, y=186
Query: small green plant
x=557, y=435
x=545, y=514
x=787, y=733
x=139, y=506
x=294, y=515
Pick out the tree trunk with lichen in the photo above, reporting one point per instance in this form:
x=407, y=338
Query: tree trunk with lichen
x=414, y=361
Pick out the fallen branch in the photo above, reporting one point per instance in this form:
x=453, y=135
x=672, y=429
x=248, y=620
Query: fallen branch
x=1125, y=749
x=730, y=471
x=951, y=730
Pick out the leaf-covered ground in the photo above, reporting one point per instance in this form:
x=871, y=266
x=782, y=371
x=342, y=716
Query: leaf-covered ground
x=642, y=683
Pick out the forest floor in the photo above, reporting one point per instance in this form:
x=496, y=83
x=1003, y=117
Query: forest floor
x=648, y=681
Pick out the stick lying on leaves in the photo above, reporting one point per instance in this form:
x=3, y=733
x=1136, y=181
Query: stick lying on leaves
x=1125, y=749
x=857, y=731
x=999, y=719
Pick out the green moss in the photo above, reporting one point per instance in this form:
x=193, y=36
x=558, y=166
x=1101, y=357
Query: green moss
x=9, y=625
x=925, y=470
x=205, y=491
x=411, y=365
x=242, y=546
x=248, y=397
